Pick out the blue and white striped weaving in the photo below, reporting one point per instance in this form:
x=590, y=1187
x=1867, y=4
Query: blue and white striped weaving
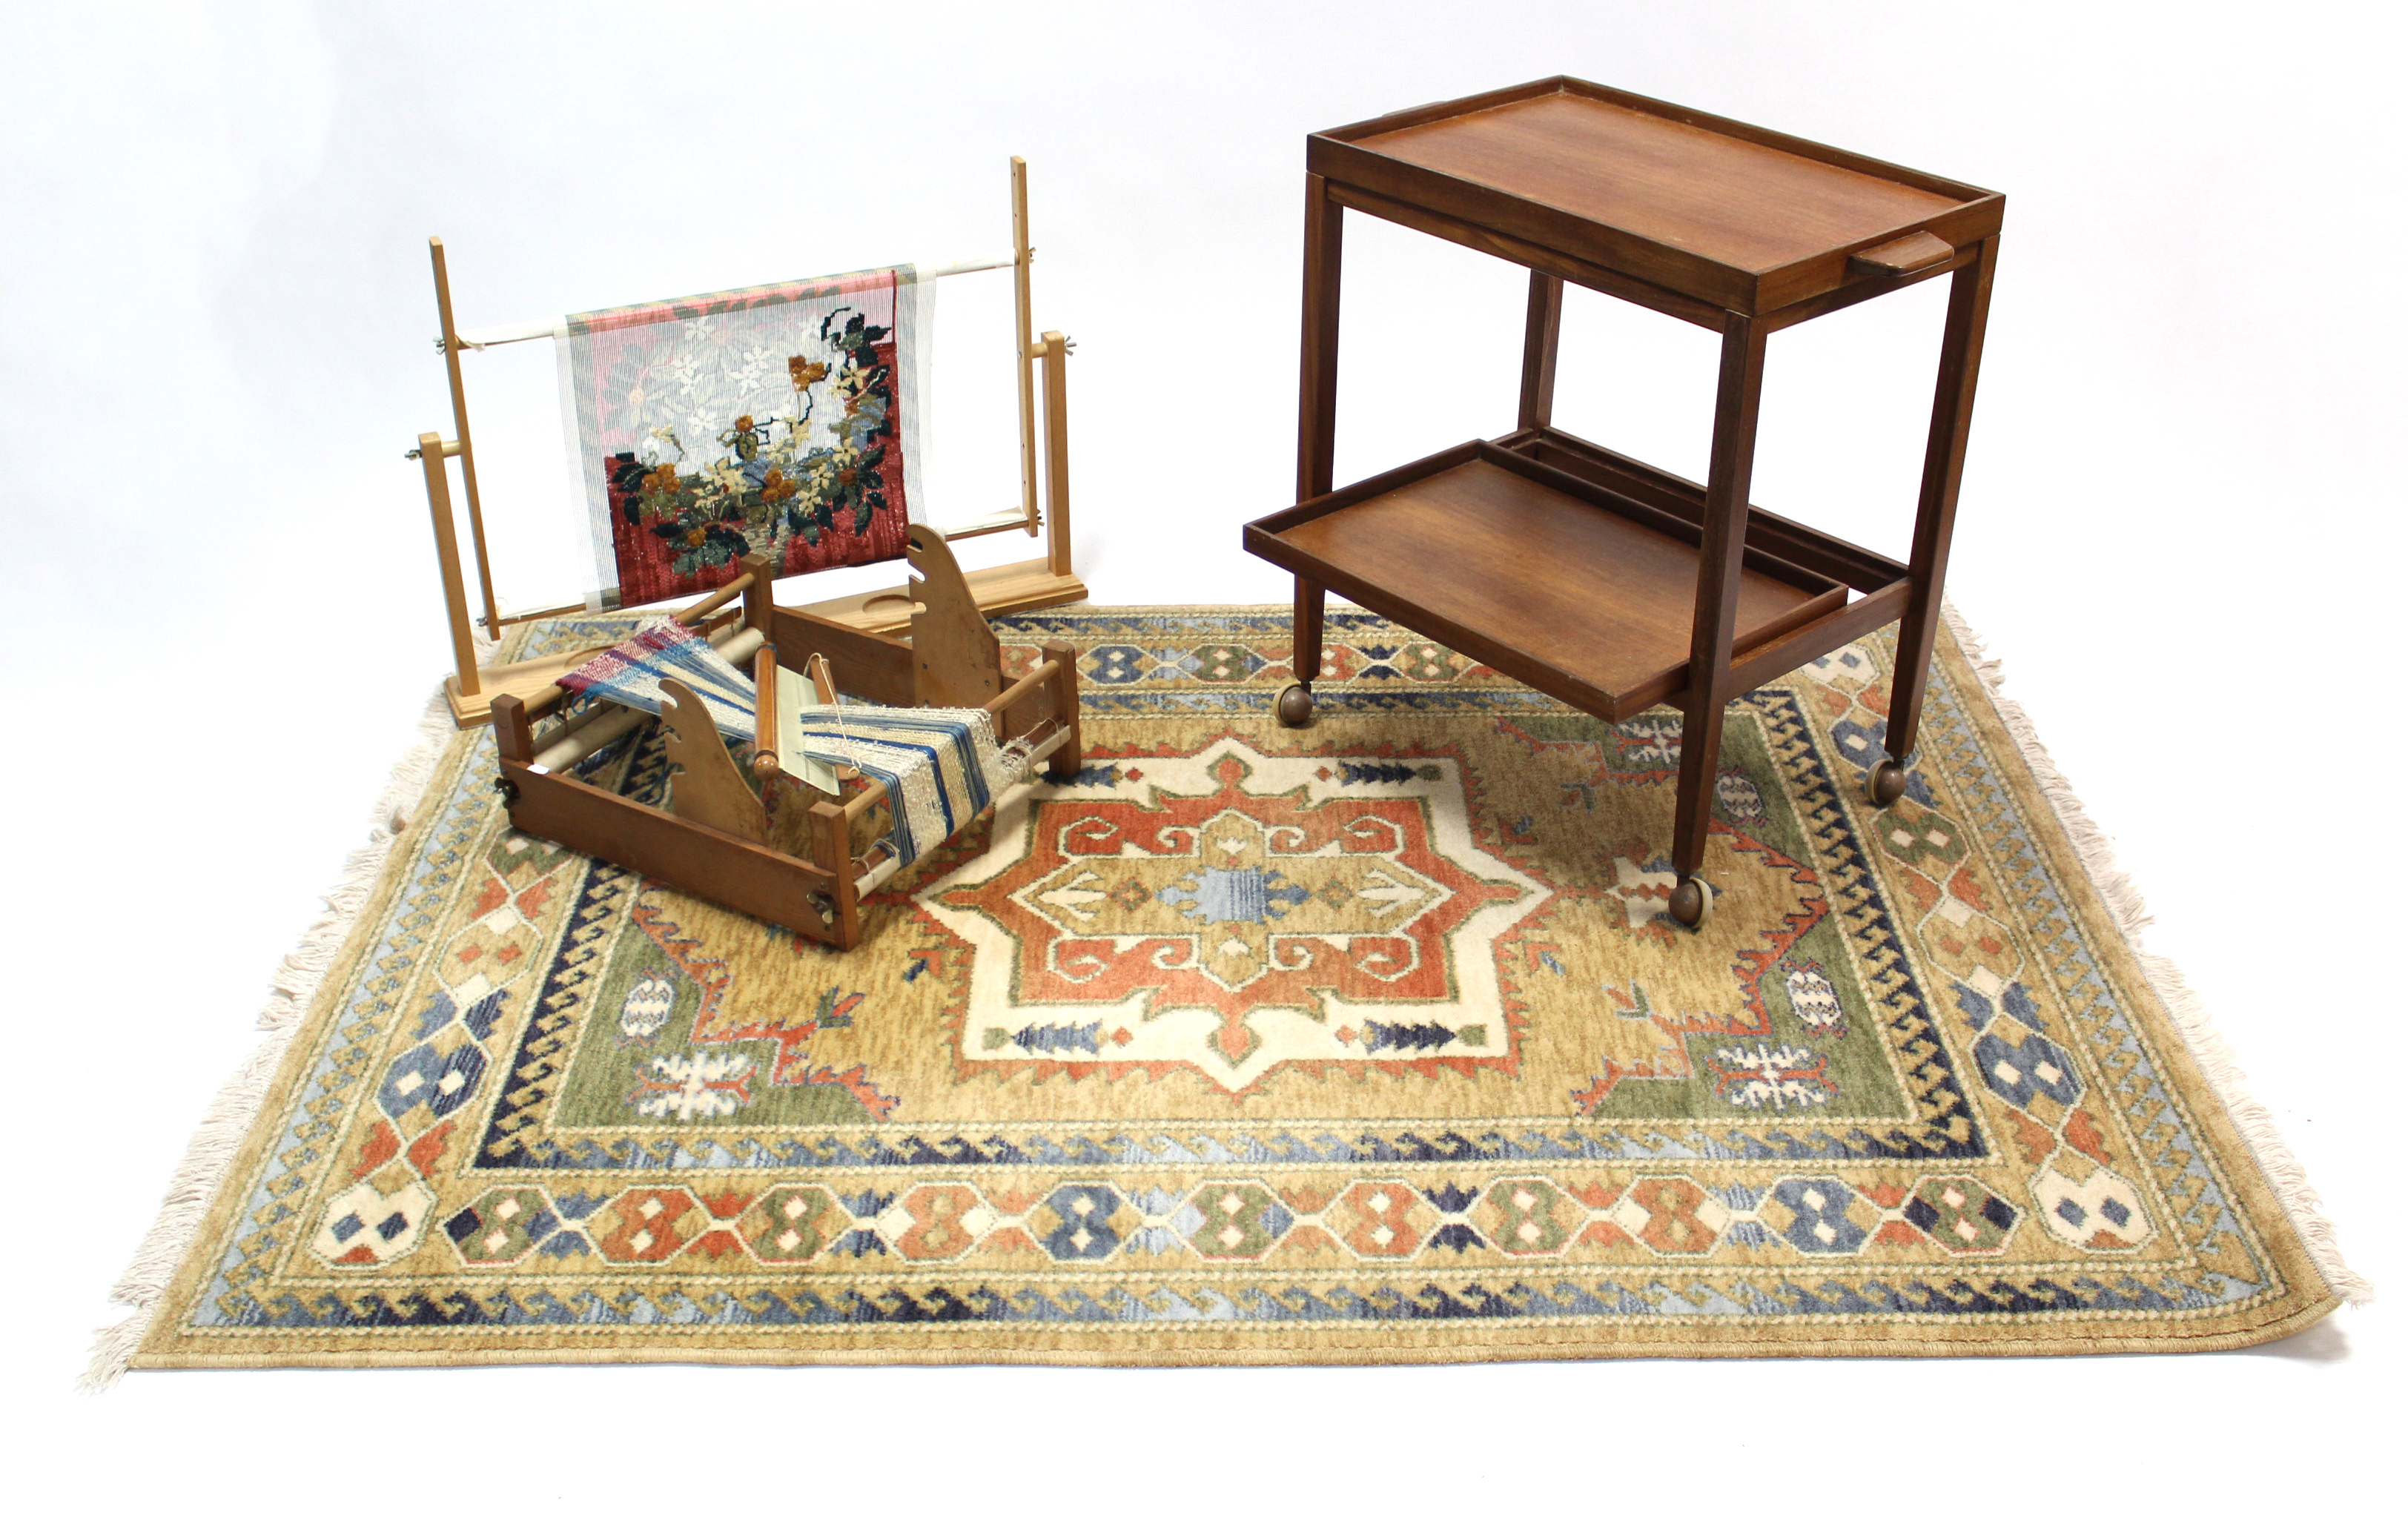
x=631, y=674
x=940, y=767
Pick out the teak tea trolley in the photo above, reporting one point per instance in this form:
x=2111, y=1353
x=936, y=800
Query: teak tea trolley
x=1603, y=581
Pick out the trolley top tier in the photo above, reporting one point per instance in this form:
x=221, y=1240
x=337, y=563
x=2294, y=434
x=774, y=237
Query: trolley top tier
x=1706, y=214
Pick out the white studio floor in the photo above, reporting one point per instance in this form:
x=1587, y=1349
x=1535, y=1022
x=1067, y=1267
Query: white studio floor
x=2177, y=534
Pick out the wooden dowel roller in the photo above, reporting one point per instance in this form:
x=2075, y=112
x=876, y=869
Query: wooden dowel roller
x=728, y=593
x=765, y=714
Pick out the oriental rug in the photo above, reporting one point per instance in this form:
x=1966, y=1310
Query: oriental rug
x=1366, y=1043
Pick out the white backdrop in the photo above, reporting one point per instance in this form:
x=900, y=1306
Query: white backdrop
x=2180, y=511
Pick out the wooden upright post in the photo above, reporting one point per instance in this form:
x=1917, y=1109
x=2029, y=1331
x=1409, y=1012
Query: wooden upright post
x=447, y=556
x=513, y=733
x=1064, y=764
x=759, y=605
x=1318, y=424
x=831, y=839
x=450, y=343
x=1025, y=329
x=1057, y=454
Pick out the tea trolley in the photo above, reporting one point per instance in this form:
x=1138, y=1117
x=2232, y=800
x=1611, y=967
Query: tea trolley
x=1603, y=581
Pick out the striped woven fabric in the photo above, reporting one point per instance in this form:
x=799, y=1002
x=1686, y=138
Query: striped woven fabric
x=631, y=674
x=940, y=767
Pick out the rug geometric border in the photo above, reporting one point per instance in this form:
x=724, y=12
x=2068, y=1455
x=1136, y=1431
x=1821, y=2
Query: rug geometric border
x=2230, y=1269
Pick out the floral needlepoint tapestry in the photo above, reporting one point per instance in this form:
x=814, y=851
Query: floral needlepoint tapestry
x=778, y=419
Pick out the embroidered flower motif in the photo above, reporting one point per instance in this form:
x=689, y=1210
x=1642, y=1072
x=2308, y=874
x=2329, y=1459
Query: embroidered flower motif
x=798, y=483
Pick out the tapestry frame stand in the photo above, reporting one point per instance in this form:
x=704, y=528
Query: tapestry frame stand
x=1036, y=583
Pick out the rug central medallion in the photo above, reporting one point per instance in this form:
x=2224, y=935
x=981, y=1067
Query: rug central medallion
x=1228, y=912
x=1368, y=1042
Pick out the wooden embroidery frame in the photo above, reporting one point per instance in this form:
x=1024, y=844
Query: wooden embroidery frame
x=714, y=838
x=1032, y=584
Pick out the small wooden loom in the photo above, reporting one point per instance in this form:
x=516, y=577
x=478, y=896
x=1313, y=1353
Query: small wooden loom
x=716, y=838
x=1033, y=584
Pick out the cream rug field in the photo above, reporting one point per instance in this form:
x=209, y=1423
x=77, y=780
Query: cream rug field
x=1368, y=1043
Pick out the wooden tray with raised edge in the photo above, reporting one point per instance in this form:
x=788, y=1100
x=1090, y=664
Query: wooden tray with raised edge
x=1690, y=214
x=1578, y=591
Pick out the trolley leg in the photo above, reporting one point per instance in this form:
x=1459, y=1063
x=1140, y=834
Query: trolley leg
x=1316, y=422
x=1317, y=394
x=1296, y=701
x=1935, y=517
x=1542, y=335
x=1723, y=539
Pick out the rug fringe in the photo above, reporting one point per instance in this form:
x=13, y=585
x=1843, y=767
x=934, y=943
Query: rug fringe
x=2251, y=1118
x=227, y=1124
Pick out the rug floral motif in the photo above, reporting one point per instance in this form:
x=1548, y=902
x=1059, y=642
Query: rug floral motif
x=1371, y=1042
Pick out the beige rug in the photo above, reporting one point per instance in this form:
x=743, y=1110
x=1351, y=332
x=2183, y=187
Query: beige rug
x=1370, y=1043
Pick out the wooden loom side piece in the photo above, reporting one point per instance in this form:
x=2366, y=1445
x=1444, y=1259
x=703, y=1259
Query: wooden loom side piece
x=705, y=786
x=956, y=659
x=751, y=878
x=876, y=666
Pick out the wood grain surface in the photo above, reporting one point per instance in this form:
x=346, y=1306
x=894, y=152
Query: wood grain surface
x=1737, y=204
x=1540, y=583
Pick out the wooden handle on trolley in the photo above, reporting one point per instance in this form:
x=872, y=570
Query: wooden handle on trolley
x=1902, y=256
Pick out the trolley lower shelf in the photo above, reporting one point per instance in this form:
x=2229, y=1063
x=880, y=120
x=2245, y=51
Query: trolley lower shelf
x=1580, y=592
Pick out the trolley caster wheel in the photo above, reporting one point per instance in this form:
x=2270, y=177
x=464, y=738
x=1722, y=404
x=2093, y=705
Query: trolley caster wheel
x=1296, y=706
x=1886, y=783
x=1693, y=900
